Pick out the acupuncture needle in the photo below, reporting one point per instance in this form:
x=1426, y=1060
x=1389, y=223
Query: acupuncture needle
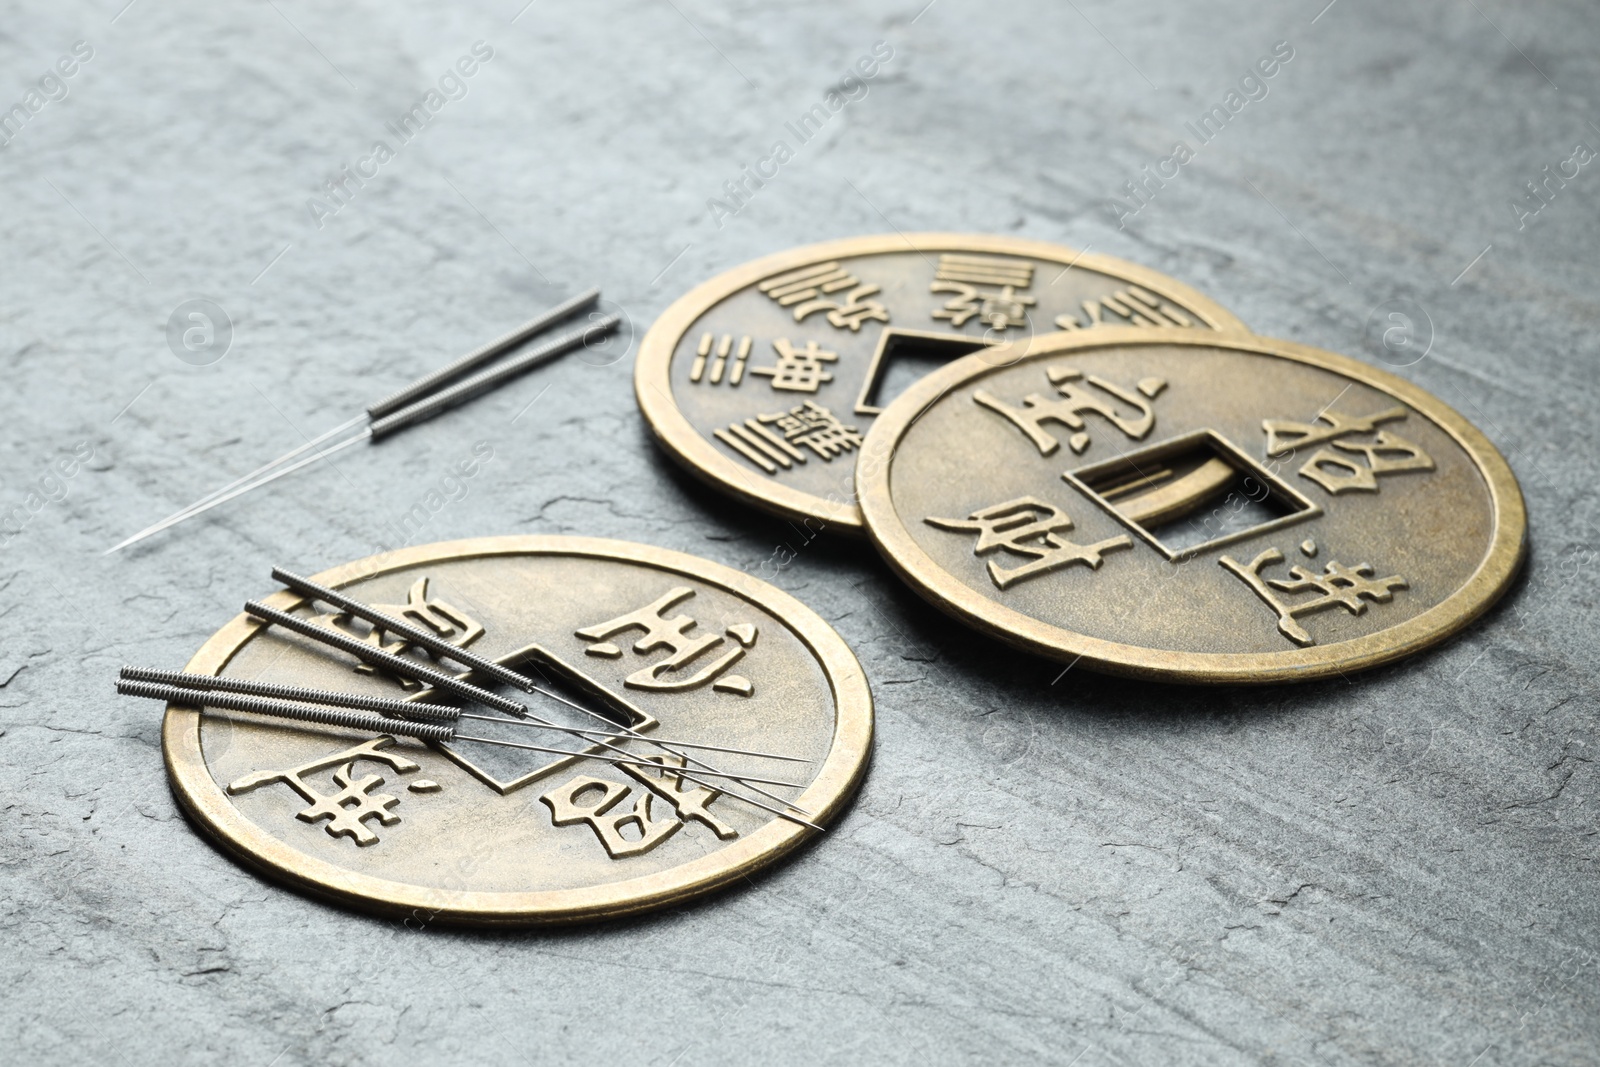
x=635, y=735
x=296, y=693
x=400, y=402
x=416, y=389
x=437, y=732
x=440, y=647
x=389, y=424
x=410, y=709
x=636, y=761
x=441, y=680
x=428, y=382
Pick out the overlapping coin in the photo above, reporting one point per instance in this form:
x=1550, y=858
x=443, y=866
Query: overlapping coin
x=678, y=647
x=763, y=380
x=1189, y=506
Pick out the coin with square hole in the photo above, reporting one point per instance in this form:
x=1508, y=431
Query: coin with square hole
x=764, y=380
x=687, y=725
x=1190, y=506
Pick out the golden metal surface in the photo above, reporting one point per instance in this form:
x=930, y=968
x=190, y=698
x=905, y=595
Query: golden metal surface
x=762, y=381
x=1063, y=495
x=685, y=648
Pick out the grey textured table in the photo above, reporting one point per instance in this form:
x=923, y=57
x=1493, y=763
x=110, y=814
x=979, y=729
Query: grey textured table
x=1394, y=869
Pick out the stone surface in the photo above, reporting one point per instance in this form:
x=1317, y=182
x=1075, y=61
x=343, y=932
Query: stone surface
x=1044, y=866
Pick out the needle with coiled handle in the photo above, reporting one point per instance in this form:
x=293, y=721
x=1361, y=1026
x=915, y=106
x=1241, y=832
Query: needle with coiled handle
x=433, y=730
x=483, y=665
x=405, y=709
x=409, y=405
x=409, y=668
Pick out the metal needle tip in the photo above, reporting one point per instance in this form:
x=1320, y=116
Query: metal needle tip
x=421, y=399
x=638, y=761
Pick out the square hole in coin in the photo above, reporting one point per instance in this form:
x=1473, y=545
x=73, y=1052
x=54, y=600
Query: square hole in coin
x=508, y=769
x=1192, y=493
x=903, y=356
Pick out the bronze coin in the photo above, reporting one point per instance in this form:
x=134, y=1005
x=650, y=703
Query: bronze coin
x=1192, y=507
x=677, y=648
x=763, y=381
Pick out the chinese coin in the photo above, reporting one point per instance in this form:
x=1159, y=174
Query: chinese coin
x=764, y=380
x=1192, y=507
x=671, y=647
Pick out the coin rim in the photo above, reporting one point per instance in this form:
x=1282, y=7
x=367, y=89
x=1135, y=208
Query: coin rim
x=837, y=779
x=1507, y=546
x=652, y=383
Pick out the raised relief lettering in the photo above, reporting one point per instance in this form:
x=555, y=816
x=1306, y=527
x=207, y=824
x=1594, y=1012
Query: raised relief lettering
x=1131, y=306
x=727, y=363
x=691, y=799
x=1386, y=453
x=1285, y=436
x=1030, y=528
x=683, y=651
x=353, y=804
x=808, y=291
x=774, y=441
x=1344, y=471
x=1338, y=586
x=430, y=613
x=985, y=286
x=798, y=370
x=627, y=832
x=632, y=829
x=1075, y=401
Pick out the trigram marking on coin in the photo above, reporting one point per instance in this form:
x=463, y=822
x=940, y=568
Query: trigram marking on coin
x=810, y=425
x=806, y=291
x=1000, y=305
x=984, y=270
x=759, y=445
x=1132, y=306
x=725, y=360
